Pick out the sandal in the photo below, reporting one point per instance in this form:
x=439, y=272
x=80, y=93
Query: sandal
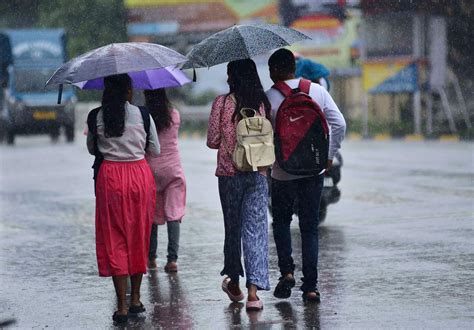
x=136, y=309
x=284, y=286
x=171, y=267
x=119, y=318
x=255, y=305
x=225, y=288
x=152, y=264
x=312, y=298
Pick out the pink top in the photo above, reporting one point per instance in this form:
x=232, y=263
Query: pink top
x=221, y=133
x=169, y=136
x=169, y=175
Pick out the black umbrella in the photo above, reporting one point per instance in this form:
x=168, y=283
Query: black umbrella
x=240, y=42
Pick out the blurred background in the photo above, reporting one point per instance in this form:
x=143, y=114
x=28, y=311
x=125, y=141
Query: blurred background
x=398, y=68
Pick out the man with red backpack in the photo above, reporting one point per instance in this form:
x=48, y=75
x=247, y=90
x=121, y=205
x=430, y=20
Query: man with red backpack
x=309, y=129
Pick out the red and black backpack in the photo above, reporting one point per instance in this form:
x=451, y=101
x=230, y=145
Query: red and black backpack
x=301, y=131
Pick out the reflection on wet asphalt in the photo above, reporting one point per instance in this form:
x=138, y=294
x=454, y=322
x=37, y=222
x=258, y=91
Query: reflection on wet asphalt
x=395, y=252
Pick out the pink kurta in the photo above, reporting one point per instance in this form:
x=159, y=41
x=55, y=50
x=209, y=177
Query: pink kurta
x=169, y=175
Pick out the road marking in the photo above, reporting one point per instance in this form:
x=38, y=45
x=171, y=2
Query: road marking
x=382, y=137
x=414, y=137
x=449, y=138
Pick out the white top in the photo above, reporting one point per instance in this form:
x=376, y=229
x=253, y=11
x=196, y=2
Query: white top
x=131, y=145
x=334, y=117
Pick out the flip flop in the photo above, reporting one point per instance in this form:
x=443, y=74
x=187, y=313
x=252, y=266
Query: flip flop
x=136, y=309
x=256, y=305
x=316, y=298
x=224, y=286
x=118, y=318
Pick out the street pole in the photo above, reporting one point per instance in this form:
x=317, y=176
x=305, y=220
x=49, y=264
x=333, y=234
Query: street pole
x=418, y=41
x=429, y=114
x=365, y=115
x=417, y=112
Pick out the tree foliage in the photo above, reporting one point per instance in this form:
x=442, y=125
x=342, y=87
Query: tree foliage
x=18, y=13
x=89, y=23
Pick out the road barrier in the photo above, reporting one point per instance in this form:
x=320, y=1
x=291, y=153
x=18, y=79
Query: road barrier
x=194, y=121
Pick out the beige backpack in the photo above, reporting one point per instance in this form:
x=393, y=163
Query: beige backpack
x=254, y=146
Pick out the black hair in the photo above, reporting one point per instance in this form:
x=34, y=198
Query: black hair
x=282, y=61
x=160, y=108
x=245, y=83
x=113, y=103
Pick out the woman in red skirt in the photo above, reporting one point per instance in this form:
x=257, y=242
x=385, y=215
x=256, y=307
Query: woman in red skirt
x=125, y=190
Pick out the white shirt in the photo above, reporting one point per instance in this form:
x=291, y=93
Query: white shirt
x=334, y=117
x=131, y=145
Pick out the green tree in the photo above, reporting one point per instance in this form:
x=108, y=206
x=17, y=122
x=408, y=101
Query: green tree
x=18, y=13
x=89, y=23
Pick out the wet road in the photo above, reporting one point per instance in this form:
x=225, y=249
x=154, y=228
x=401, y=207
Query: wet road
x=396, y=251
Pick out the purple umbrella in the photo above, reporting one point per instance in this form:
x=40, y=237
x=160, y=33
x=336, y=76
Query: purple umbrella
x=147, y=79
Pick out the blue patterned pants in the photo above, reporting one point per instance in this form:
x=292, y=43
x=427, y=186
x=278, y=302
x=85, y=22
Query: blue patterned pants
x=244, y=205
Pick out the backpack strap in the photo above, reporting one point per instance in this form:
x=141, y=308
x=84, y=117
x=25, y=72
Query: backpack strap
x=146, y=123
x=220, y=123
x=304, y=85
x=92, y=127
x=283, y=88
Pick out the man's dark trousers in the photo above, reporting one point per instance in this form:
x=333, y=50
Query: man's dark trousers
x=307, y=194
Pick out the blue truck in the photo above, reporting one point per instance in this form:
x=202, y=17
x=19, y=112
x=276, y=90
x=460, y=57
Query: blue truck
x=28, y=57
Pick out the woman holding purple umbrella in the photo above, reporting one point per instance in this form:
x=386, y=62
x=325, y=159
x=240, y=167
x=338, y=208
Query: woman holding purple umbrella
x=169, y=177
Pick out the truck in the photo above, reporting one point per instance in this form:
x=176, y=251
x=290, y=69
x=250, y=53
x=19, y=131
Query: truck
x=28, y=57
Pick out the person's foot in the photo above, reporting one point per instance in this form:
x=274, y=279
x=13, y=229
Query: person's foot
x=152, y=264
x=232, y=289
x=254, y=305
x=120, y=317
x=312, y=296
x=284, y=286
x=136, y=308
x=171, y=267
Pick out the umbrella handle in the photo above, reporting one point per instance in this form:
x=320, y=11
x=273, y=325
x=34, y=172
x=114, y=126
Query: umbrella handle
x=60, y=93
